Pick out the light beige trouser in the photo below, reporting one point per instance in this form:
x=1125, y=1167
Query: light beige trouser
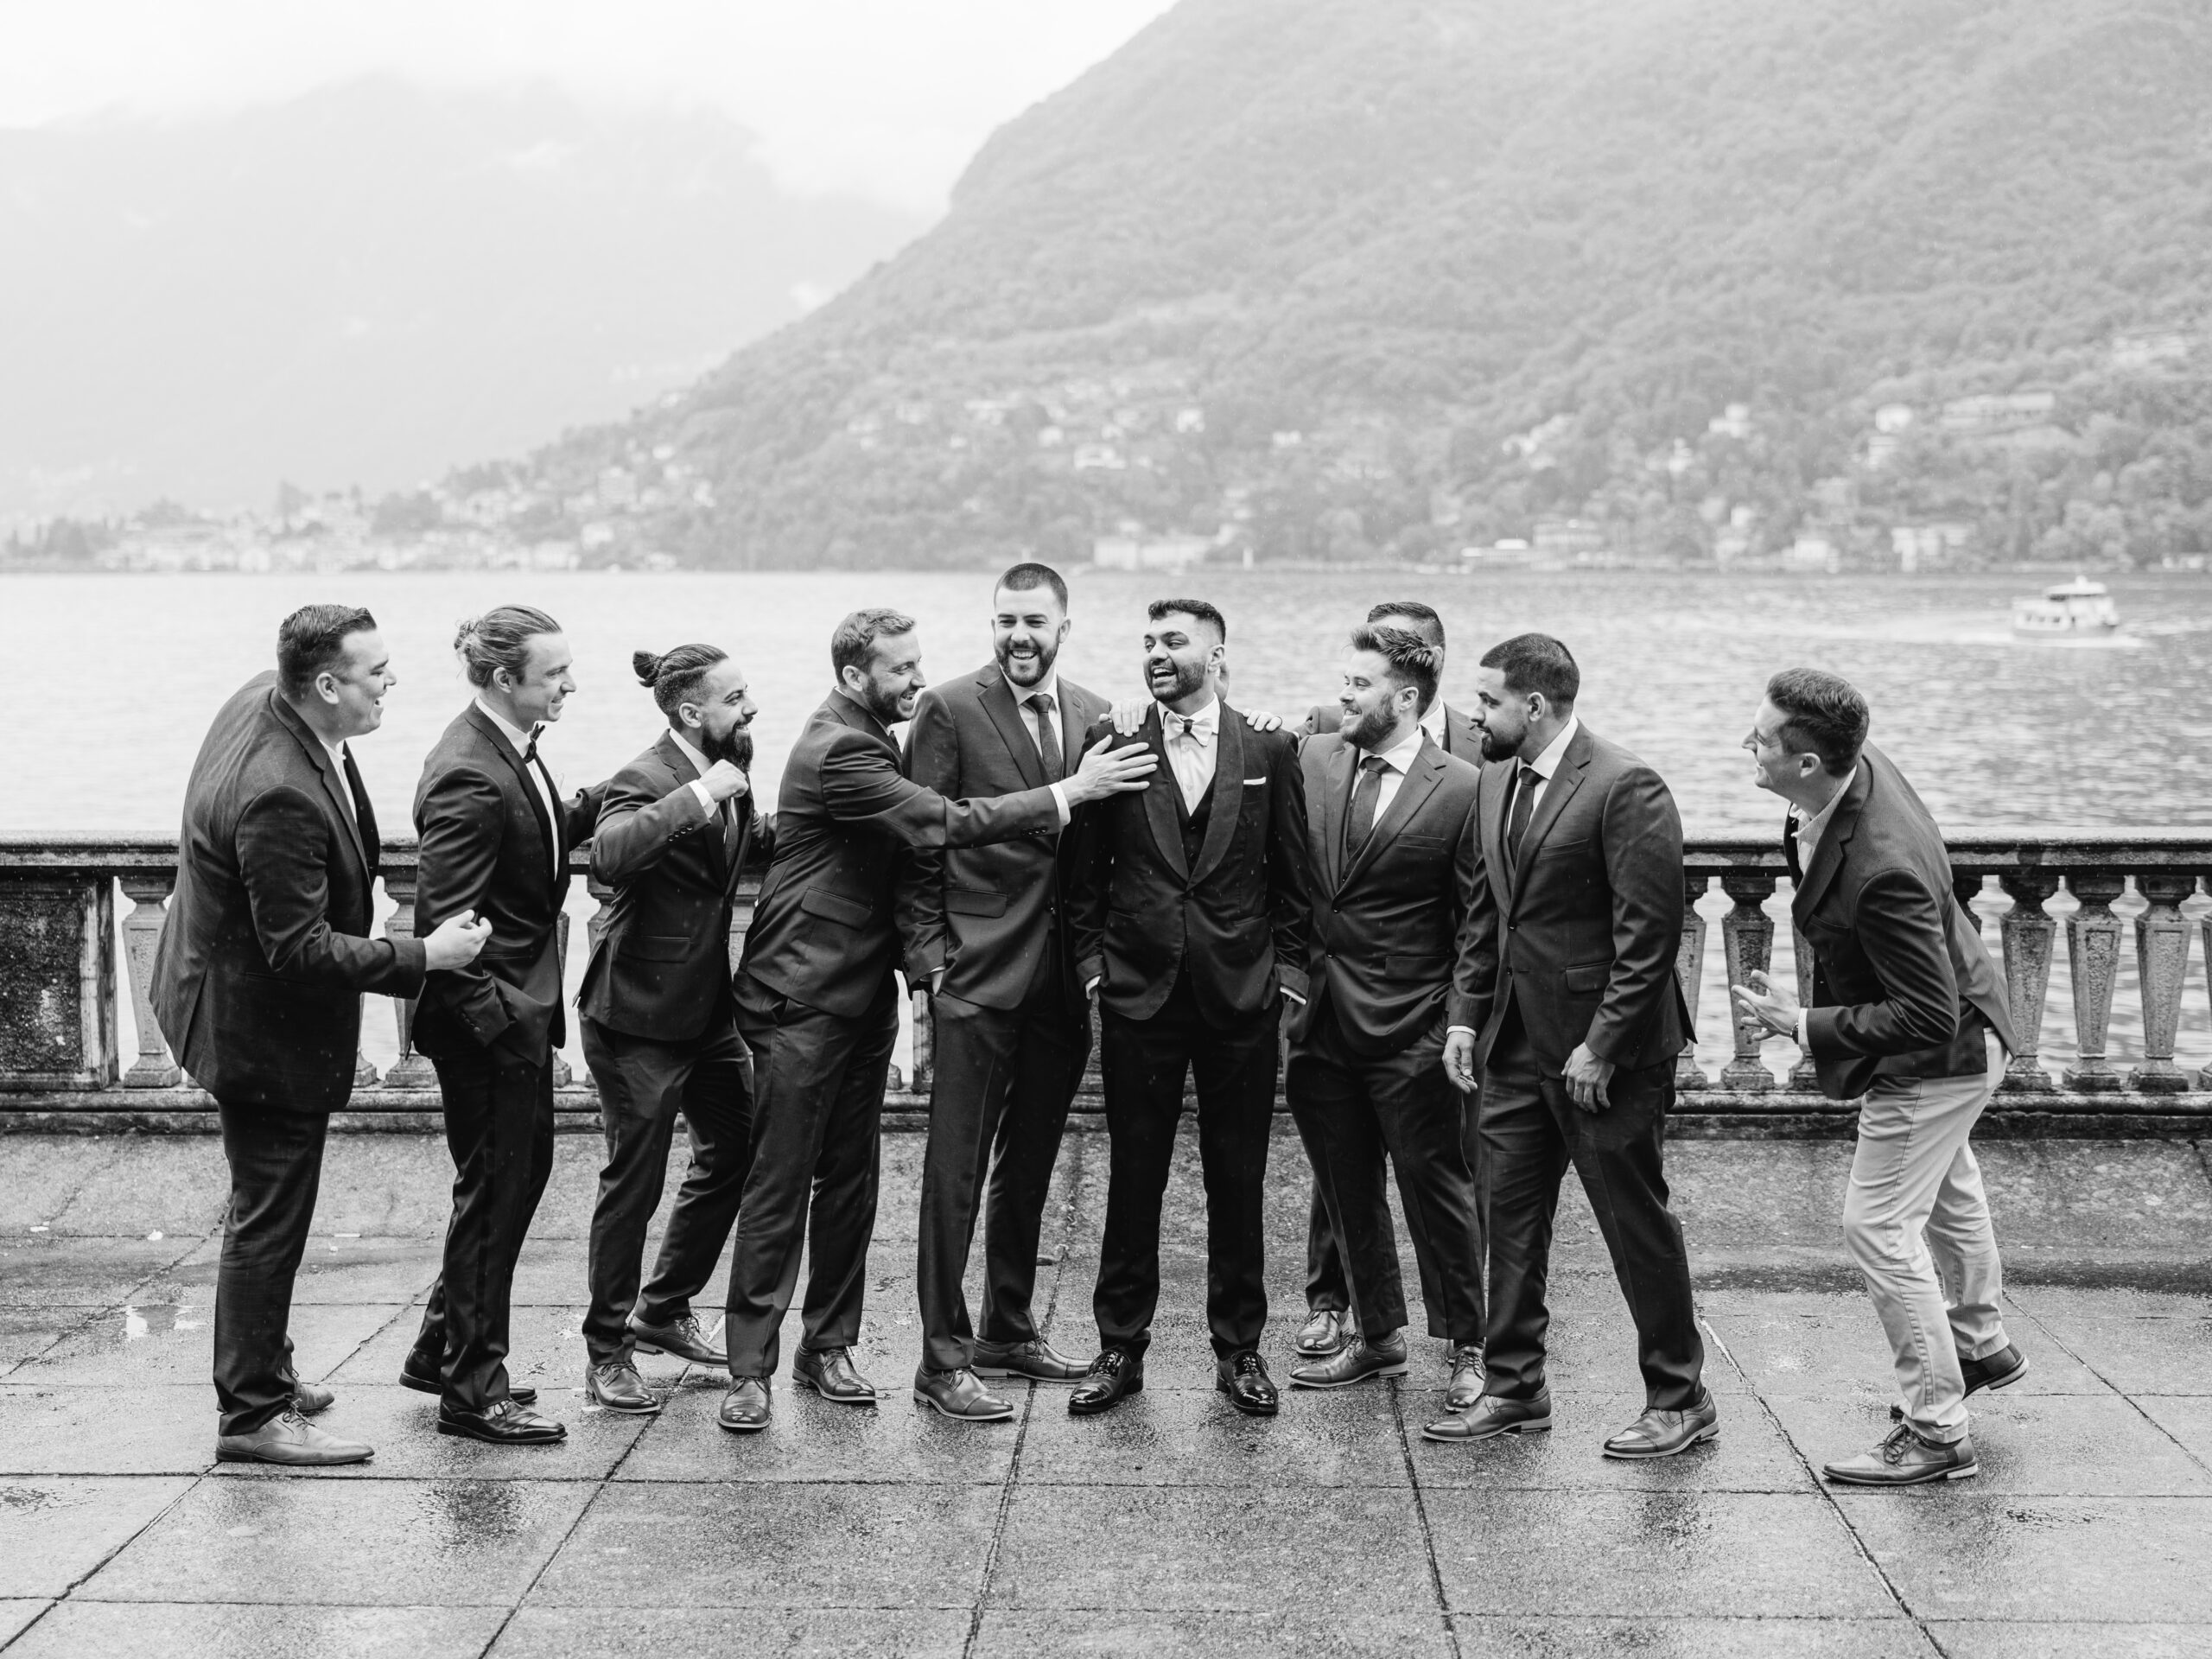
x=1917, y=1218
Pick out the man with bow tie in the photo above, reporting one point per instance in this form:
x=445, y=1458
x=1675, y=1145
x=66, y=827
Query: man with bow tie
x=1188, y=910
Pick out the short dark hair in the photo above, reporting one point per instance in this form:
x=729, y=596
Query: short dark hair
x=313, y=639
x=1431, y=626
x=499, y=639
x=1538, y=662
x=853, y=645
x=1412, y=660
x=1024, y=577
x=1197, y=608
x=673, y=676
x=1823, y=715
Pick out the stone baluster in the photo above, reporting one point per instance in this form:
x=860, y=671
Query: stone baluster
x=925, y=1043
x=1747, y=941
x=1689, y=973
x=365, y=1074
x=2093, y=958
x=410, y=1069
x=2205, y=1076
x=2026, y=931
x=561, y=1075
x=156, y=1067
x=2161, y=960
x=1804, y=1075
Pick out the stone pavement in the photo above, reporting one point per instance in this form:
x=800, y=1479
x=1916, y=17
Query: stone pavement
x=1172, y=1526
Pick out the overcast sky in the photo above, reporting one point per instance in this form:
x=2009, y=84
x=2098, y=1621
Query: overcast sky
x=884, y=99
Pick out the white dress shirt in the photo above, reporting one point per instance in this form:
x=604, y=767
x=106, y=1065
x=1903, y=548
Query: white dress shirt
x=1395, y=760
x=540, y=773
x=1808, y=833
x=1432, y=722
x=1191, y=753
x=1047, y=687
x=699, y=764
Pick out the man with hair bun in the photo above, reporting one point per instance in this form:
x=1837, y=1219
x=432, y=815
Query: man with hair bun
x=675, y=830
x=495, y=837
x=1908, y=1017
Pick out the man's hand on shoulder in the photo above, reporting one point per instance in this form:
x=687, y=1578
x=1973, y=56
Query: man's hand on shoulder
x=1260, y=720
x=454, y=942
x=1108, y=770
x=1127, y=715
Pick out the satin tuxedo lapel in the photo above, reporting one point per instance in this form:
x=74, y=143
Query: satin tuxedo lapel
x=1325, y=812
x=1827, y=856
x=1228, y=793
x=1161, y=799
x=549, y=848
x=1557, y=793
x=1418, y=785
x=334, y=782
x=1005, y=714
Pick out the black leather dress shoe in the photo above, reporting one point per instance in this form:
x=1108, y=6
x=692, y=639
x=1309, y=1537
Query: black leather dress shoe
x=1357, y=1360
x=1493, y=1415
x=1660, y=1433
x=503, y=1423
x=830, y=1374
x=1998, y=1370
x=1466, y=1386
x=1037, y=1360
x=427, y=1383
x=685, y=1337
x=1113, y=1376
x=616, y=1386
x=960, y=1396
x=745, y=1407
x=1326, y=1329
x=1244, y=1377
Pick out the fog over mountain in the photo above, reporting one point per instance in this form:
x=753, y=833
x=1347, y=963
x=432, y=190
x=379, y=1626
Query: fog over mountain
x=372, y=283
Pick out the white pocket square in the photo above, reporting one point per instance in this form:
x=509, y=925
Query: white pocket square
x=1248, y=782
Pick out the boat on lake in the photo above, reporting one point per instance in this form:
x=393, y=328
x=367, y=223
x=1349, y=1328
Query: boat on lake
x=2079, y=609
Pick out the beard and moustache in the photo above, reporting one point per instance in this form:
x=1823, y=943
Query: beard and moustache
x=734, y=746
x=1190, y=678
x=1027, y=671
x=1369, y=729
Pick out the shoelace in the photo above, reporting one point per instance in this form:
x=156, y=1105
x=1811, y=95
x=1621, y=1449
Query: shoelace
x=1247, y=1364
x=1109, y=1362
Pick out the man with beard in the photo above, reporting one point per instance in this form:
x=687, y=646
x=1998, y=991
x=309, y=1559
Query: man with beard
x=1329, y=1326
x=1574, y=1019
x=660, y=1021
x=1011, y=1028
x=1188, y=911
x=817, y=1006
x=1391, y=830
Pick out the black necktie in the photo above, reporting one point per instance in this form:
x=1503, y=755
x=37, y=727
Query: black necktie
x=1048, y=737
x=1524, y=803
x=552, y=829
x=1359, y=824
x=365, y=816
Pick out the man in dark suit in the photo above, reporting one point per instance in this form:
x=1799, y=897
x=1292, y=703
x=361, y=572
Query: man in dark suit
x=1391, y=833
x=259, y=979
x=659, y=1023
x=816, y=1001
x=1012, y=1029
x=1328, y=1326
x=496, y=834
x=1909, y=1017
x=1188, y=911
x=1574, y=1022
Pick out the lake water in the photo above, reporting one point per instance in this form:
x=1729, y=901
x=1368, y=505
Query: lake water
x=108, y=681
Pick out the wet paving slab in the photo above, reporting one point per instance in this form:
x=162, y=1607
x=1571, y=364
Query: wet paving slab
x=1173, y=1525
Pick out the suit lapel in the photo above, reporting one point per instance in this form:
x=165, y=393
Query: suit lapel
x=1557, y=793
x=549, y=848
x=334, y=782
x=1162, y=797
x=1496, y=785
x=1005, y=714
x=1325, y=807
x=1827, y=854
x=1419, y=784
x=723, y=834
x=1227, y=793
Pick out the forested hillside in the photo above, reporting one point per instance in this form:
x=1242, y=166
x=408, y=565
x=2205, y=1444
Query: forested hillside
x=1694, y=279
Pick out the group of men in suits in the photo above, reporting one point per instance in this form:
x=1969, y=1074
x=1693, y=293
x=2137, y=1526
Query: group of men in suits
x=1463, y=925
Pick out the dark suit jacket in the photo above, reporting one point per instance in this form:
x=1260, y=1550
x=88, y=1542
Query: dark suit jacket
x=823, y=930
x=1898, y=962
x=481, y=821
x=985, y=912
x=259, y=976
x=1142, y=911
x=1386, y=925
x=1583, y=941
x=661, y=963
x=1462, y=739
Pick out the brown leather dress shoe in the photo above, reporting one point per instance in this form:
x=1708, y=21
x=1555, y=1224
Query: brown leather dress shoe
x=685, y=1337
x=960, y=1396
x=830, y=1374
x=745, y=1407
x=309, y=1398
x=1660, y=1433
x=503, y=1422
x=1902, y=1459
x=1037, y=1360
x=1493, y=1415
x=1466, y=1385
x=1357, y=1361
x=1325, y=1332
x=1113, y=1376
x=1244, y=1377
x=288, y=1438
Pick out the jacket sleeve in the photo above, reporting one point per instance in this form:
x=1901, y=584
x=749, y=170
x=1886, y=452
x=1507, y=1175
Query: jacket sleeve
x=1089, y=845
x=637, y=827
x=580, y=812
x=1474, y=975
x=932, y=762
x=861, y=782
x=283, y=844
x=1902, y=929
x=1290, y=876
x=459, y=822
x=1643, y=867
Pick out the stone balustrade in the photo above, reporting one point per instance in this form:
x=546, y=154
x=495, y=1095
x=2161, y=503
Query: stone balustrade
x=59, y=986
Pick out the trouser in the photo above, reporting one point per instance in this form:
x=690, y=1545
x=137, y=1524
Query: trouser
x=1917, y=1218
x=817, y=1112
x=1144, y=1063
x=1326, y=1288
x=998, y=1106
x=1532, y=1131
x=499, y=1129
x=643, y=1085
x=275, y=1160
x=1351, y=1111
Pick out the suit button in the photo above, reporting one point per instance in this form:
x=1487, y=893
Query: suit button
x=1513, y=927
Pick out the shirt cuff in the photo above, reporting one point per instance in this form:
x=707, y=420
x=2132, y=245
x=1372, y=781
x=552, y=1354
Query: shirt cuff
x=1450, y=1030
x=706, y=796
x=1805, y=1031
x=1294, y=996
x=1060, y=800
x=1092, y=986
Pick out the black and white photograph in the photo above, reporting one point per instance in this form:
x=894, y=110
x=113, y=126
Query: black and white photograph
x=972, y=829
